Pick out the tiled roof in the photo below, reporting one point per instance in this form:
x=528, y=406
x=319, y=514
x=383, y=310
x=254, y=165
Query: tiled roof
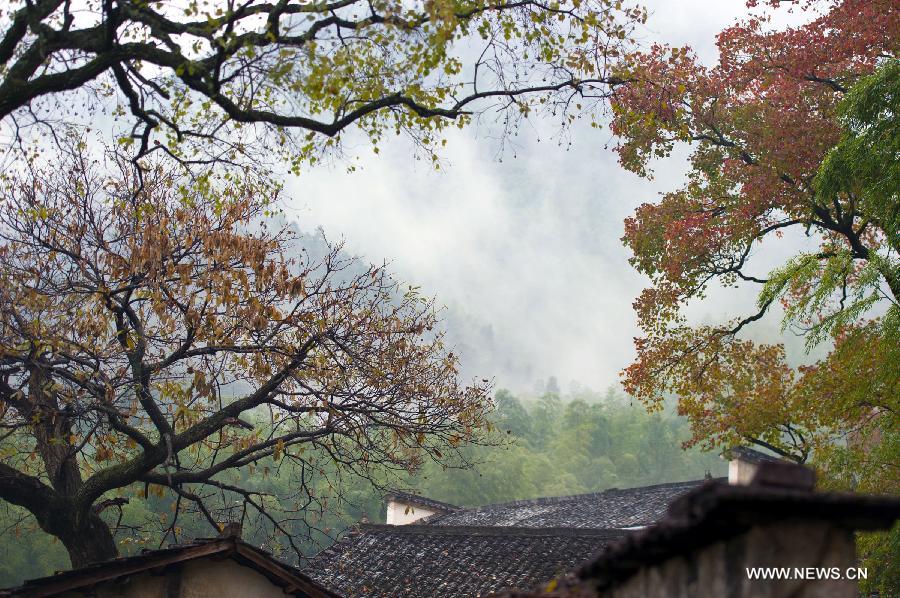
x=751, y=455
x=482, y=550
x=448, y=561
x=715, y=512
x=616, y=508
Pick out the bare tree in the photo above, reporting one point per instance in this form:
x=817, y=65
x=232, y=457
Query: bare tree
x=153, y=338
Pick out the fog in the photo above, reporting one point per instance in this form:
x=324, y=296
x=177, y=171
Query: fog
x=523, y=245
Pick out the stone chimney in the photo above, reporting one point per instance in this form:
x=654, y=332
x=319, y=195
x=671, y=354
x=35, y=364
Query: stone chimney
x=744, y=462
x=784, y=474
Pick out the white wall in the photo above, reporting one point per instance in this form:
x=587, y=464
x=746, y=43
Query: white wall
x=400, y=513
x=741, y=472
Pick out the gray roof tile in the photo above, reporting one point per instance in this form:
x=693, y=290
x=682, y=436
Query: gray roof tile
x=616, y=508
x=483, y=550
x=448, y=561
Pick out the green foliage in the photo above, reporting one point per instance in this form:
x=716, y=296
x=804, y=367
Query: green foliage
x=866, y=162
x=512, y=416
x=878, y=554
x=576, y=444
x=26, y=552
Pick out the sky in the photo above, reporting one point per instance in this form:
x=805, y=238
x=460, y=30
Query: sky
x=524, y=250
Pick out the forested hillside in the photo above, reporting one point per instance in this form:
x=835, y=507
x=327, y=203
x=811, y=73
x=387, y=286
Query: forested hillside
x=546, y=443
x=570, y=444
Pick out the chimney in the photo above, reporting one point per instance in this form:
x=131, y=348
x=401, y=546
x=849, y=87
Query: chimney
x=784, y=474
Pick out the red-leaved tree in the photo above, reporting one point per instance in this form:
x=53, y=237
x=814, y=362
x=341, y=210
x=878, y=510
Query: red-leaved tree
x=762, y=123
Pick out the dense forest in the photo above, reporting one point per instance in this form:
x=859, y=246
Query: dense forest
x=544, y=443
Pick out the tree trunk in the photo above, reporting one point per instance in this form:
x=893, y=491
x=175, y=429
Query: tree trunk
x=52, y=429
x=88, y=540
x=85, y=535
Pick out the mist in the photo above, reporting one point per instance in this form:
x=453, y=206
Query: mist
x=522, y=243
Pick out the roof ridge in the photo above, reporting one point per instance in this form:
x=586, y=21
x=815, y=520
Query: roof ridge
x=422, y=500
x=493, y=530
x=753, y=455
x=550, y=500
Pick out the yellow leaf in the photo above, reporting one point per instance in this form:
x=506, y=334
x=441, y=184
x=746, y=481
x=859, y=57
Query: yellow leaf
x=279, y=448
